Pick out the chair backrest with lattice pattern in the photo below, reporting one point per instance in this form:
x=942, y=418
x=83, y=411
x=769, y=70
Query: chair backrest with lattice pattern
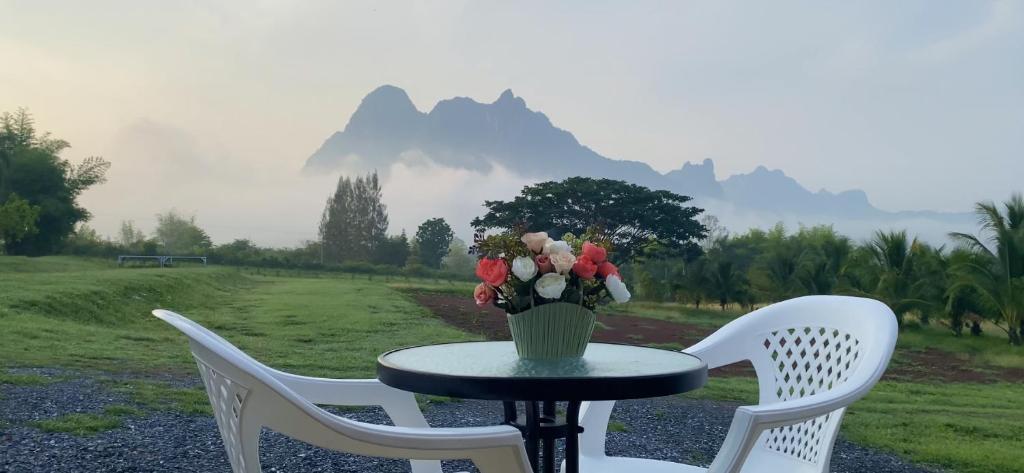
x=802, y=347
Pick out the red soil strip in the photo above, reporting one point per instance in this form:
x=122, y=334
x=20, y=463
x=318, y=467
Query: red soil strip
x=936, y=365
x=931, y=365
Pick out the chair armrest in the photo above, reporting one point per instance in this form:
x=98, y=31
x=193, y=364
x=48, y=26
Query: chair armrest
x=798, y=410
x=400, y=405
x=495, y=449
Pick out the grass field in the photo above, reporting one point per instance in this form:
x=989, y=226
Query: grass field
x=90, y=315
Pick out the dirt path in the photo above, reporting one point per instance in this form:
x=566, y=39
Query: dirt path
x=931, y=365
x=490, y=322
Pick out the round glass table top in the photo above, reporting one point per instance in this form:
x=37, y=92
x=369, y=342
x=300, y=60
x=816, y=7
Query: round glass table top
x=493, y=370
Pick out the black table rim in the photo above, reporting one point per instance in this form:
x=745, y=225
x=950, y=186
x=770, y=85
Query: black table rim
x=572, y=388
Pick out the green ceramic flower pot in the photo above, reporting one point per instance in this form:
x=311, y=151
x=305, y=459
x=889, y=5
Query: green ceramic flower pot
x=556, y=330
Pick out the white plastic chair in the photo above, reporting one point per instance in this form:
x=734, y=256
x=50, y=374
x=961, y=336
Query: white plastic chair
x=247, y=396
x=813, y=356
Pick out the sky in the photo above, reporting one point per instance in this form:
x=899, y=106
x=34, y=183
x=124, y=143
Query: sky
x=212, y=107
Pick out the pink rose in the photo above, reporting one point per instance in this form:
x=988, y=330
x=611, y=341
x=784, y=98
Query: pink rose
x=535, y=241
x=596, y=253
x=606, y=269
x=584, y=267
x=484, y=294
x=543, y=264
x=493, y=271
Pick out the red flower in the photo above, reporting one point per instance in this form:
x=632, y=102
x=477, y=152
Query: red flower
x=607, y=269
x=584, y=267
x=484, y=294
x=544, y=264
x=492, y=271
x=596, y=253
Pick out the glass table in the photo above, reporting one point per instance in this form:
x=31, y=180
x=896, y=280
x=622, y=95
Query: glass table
x=494, y=371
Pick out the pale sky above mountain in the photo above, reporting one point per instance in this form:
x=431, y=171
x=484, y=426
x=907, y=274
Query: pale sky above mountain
x=213, y=107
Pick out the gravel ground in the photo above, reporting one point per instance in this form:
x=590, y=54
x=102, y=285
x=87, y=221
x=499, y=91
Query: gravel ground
x=671, y=428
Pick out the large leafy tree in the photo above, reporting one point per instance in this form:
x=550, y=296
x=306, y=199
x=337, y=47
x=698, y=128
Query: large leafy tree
x=17, y=220
x=31, y=169
x=433, y=240
x=998, y=275
x=632, y=217
x=179, y=235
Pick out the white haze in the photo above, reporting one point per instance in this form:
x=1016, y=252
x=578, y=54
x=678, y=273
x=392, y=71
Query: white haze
x=160, y=167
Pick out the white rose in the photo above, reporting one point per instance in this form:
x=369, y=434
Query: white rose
x=562, y=262
x=550, y=286
x=617, y=288
x=553, y=247
x=535, y=241
x=524, y=268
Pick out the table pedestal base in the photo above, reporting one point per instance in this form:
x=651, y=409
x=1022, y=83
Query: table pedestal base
x=542, y=427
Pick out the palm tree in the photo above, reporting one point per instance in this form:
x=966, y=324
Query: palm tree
x=780, y=264
x=999, y=275
x=725, y=283
x=816, y=275
x=693, y=281
x=823, y=265
x=894, y=258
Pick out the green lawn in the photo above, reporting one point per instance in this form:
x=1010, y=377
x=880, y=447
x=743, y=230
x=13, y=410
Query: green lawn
x=966, y=427
x=82, y=314
x=88, y=315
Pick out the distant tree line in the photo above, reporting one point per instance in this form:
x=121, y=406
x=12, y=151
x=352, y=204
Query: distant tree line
x=982, y=278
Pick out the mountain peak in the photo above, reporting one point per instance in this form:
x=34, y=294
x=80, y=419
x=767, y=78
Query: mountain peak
x=507, y=98
x=389, y=96
x=697, y=179
x=387, y=107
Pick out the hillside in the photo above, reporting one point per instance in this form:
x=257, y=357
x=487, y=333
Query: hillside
x=462, y=133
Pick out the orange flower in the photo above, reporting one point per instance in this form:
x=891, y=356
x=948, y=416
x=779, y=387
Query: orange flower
x=584, y=268
x=596, y=253
x=493, y=271
x=606, y=269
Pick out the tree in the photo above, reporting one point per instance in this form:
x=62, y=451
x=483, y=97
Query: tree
x=959, y=300
x=778, y=264
x=458, y=260
x=632, y=217
x=17, y=220
x=335, y=225
x=130, y=237
x=393, y=250
x=716, y=232
x=998, y=276
x=433, y=240
x=895, y=257
x=354, y=220
x=693, y=283
x=30, y=167
x=179, y=235
x=725, y=283
x=824, y=261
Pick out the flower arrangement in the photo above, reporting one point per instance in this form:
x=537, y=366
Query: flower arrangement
x=520, y=274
